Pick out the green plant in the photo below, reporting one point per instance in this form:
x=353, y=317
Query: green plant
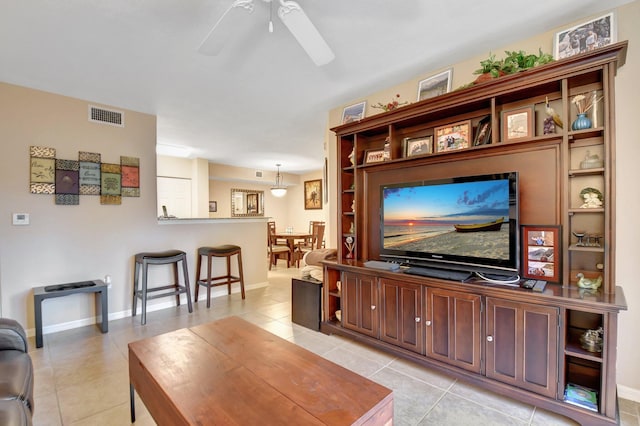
x=520, y=60
x=514, y=61
x=390, y=106
x=490, y=66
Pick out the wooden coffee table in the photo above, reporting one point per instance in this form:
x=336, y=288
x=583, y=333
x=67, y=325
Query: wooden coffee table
x=233, y=372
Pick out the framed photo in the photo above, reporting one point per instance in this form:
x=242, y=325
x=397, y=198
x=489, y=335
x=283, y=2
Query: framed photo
x=252, y=203
x=453, y=136
x=374, y=156
x=541, y=254
x=213, y=206
x=353, y=113
x=313, y=194
x=325, y=180
x=483, y=133
x=418, y=146
x=517, y=123
x=585, y=37
x=436, y=85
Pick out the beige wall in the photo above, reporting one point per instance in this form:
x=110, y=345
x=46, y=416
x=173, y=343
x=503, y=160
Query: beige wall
x=220, y=179
x=90, y=240
x=286, y=211
x=197, y=171
x=627, y=170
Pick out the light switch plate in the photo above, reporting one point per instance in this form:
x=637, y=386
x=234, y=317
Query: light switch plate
x=21, y=218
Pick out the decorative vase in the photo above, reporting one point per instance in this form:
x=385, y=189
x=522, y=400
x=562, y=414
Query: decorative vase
x=581, y=123
x=487, y=76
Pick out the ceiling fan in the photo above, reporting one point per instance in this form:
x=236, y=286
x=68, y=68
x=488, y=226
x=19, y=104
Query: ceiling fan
x=291, y=15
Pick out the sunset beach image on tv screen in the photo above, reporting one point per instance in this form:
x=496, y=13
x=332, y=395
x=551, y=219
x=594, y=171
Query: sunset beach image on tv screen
x=460, y=219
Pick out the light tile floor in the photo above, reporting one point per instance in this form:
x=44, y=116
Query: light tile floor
x=81, y=375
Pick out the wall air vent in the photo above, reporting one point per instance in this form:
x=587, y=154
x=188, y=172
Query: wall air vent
x=106, y=116
x=258, y=173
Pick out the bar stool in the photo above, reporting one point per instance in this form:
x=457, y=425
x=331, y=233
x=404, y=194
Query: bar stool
x=169, y=257
x=226, y=251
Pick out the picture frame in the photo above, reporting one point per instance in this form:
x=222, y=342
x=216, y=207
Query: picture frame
x=213, y=206
x=325, y=180
x=517, y=123
x=354, y=112
x=313, y=194
x=435, y=85
x=414, y=147
x=483, y=132
x=252, y=203
x=585, y=37
x=374, y=156
x=453, y=136
x=541, y=252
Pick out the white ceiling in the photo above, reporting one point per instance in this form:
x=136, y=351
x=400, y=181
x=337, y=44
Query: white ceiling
x=262, y=101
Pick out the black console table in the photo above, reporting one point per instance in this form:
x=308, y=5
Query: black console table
x=41, y=293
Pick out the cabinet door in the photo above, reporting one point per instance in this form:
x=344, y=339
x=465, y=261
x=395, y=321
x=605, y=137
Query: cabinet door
x=360, y=294
x=522, y=345
x=453, y=328
x=401, y=315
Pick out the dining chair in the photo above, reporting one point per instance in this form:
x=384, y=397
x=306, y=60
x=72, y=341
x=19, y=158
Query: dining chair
x=272, y=230
x=313, y=243
x=312, y=223
x=276, y=251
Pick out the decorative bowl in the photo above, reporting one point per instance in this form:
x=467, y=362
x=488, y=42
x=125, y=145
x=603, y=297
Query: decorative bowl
x=590, y=342
x=591, y=163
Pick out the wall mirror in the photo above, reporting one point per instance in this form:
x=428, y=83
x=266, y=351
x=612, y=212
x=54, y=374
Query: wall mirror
x=247, y=202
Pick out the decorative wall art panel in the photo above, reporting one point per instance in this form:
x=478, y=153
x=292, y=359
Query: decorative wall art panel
x=67, y=182
x=130, y=176
x=130, y=192
x=111, y=200
x=92, y=157
x=42, y=170
x=129, y=161
x=110, y=178
x=42, y=152
x=89, y=173
x=68, y=179
x=67, y=199
x=42, y=188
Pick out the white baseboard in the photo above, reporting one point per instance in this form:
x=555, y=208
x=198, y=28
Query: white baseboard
x=54, y=328
x=629, y=393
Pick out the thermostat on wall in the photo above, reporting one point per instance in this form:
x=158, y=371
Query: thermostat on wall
x=21, y=218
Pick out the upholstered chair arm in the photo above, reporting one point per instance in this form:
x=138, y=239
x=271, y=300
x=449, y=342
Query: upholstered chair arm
x=12, y=336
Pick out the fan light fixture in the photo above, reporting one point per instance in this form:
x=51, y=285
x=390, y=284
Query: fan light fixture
x=292, y=16
x=278, y=190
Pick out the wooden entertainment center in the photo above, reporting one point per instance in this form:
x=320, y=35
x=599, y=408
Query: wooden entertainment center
x=509, y=340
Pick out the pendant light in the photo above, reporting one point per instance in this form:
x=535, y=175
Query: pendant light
x=278, y=190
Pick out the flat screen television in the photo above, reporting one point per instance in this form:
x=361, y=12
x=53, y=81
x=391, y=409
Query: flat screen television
x=466, y=223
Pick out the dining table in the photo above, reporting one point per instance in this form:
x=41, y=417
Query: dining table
x=292, y=237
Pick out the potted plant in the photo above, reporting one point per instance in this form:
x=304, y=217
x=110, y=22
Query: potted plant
x=520, y=60
x=489, y=68
x=514, y=62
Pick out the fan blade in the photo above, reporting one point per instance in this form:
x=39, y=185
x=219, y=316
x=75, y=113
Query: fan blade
x=305, y=32
x=217, y=37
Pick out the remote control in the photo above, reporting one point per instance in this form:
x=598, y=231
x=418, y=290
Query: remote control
x=539, y=286
x=378, y=264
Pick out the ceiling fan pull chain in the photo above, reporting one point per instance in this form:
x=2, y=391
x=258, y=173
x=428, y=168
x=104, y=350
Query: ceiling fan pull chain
x=270, y=16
